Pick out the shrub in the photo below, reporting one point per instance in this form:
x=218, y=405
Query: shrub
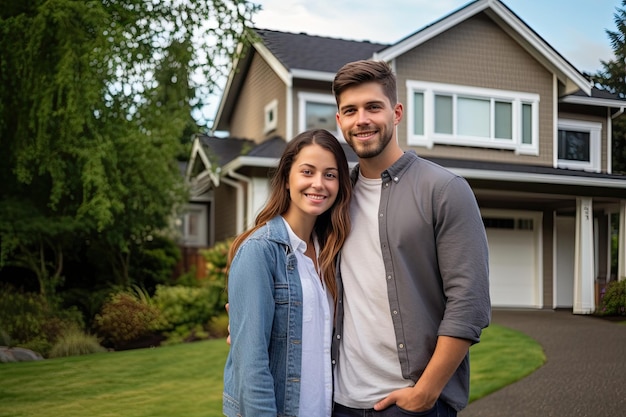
x=75, y=342
x=613, y=302
x=185, y=310
x=29, y=321
x=218, y=326
x=215, y=280
x=125, y=317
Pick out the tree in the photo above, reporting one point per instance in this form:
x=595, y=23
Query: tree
x=612, y=78
x=94, y=98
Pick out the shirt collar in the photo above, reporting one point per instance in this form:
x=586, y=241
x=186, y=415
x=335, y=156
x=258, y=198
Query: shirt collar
x=296, y=243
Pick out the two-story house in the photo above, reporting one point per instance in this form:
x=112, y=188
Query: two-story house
x=485, y=96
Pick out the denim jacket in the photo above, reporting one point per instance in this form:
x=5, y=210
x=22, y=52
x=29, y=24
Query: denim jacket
x=262, y=372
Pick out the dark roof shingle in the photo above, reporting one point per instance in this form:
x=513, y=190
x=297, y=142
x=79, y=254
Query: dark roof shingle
x=315, y=53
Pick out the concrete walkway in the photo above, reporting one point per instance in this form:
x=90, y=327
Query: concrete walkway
x=584, y=374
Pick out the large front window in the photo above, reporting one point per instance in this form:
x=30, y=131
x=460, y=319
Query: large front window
x=578, y=145
x=468, y=116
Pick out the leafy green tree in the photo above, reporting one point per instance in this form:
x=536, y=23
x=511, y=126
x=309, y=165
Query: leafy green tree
x=95, y=96
x=612, y=78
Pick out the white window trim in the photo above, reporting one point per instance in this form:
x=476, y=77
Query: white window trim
x=270, y=108
x=304, y=98
x=201, y=213
x=430, y=138
x=594, y=129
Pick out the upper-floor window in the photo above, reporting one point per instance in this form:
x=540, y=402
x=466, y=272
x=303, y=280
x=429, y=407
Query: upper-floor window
x=317, y=111
x=469, y=116
x=270, y=116
x=578, y=145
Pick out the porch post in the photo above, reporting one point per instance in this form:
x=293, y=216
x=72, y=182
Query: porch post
x=621, y=242
x=584, y=274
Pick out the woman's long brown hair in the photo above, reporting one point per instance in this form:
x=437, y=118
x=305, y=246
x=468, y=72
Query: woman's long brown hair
x=332, y=226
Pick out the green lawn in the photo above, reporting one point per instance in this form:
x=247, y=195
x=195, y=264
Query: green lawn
x=186, y=380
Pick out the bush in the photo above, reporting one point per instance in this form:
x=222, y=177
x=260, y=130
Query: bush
x=613, y=302
x=75, y=342
x=186, y=311
x=215, y=280
x=125, y=317
x=218, y=326
x=29, y=321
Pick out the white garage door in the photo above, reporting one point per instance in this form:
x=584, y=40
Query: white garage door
x=513, y=263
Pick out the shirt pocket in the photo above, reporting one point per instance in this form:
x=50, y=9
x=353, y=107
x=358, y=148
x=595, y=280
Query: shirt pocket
x=281, y=310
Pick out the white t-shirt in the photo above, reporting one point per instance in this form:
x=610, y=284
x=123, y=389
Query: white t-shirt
x=368, y=368
x=316, y=383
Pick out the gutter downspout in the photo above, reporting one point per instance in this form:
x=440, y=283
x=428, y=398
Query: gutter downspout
x=609, y=147
x=246, y=210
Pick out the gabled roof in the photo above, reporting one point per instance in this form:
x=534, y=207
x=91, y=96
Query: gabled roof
x=212, y=153
x=221, y=156
x=292, y=55
x=298, y=55
x=510, y=23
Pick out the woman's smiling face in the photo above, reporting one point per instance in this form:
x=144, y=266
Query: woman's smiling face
x=313, y=181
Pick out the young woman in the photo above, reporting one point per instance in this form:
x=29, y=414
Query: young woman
x=281, y=286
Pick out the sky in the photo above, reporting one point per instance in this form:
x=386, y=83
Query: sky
x=574, y=28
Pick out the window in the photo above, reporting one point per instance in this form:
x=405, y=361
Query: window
x=578, y=145
x=271, y=117
x=192, y=225
x=318, y=111
x=467, y=116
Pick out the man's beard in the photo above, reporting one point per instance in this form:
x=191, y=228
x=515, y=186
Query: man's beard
x=370, y=149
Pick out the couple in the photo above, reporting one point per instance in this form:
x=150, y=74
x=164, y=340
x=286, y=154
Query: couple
x=410, y=293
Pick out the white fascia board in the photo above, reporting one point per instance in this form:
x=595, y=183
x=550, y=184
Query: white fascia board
x=430, y=31
x=313, y=75
x=539, y=178
x=250, y=161
x=197, y=151
x=227, y=86
x=591, y=101
x=274, y=63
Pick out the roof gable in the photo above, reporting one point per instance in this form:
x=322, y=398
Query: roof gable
x=572, y=79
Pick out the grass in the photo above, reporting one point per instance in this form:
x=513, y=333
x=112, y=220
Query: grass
x=186, y=379
x=502, y=357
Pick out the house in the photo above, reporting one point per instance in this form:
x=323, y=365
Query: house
x=485, y=96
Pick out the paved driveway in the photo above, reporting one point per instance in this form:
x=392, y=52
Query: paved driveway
x=584, y=373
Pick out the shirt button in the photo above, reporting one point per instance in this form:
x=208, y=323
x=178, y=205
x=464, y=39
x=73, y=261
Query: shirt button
x=388, y=277
x=401, y=345
x=338, y=336
x=333, y=361
x=395, y=311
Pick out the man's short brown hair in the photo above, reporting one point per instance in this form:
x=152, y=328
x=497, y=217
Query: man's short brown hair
x=359, y=72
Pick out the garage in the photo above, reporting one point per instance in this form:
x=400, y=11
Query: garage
x=514, y=258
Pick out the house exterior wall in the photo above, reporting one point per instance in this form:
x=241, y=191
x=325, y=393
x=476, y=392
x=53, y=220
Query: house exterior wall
x=478, y=53
x=225, y=212
x=259, y=89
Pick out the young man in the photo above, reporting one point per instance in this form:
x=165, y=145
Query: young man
x=413, y=276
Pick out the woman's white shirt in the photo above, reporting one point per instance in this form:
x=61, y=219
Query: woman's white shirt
x=316, y=372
